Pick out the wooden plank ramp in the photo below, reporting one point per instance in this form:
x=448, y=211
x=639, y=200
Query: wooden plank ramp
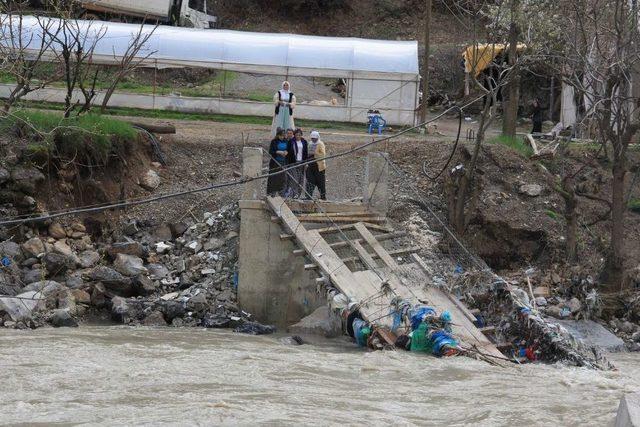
x=407, y=281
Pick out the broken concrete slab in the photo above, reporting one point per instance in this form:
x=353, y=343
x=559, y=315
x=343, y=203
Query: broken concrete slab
x=592, y=334
x=320, y=322
x=629, y=411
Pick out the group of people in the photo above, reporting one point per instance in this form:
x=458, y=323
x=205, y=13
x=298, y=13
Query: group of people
x=289, y=149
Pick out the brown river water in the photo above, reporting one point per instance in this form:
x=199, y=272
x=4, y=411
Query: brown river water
x=122, y=376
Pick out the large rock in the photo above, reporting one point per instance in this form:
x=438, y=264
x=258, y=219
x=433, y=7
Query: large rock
x=127, y=248
x=62, y=319
x=629, y=411
x=81, y=296
x=22, y=306
x=155, y=319
x=33, y=275
x=320, y=322
x=61, y=247
x=144, y=285
x=150, y=180
x=172, y=310
x=11, y=250
x=129, y=265
x=56, y=264
x=47, y=288
x=27, y=179
x=592, y=334
x=56, y=230
x=89, y=258
x=112, y=280
x=33, y=247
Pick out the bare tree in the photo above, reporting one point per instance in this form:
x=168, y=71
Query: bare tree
x=511, y=106
x=130, y=60
x=601, y=61
x=22, y=53
x=462, y=188
x=73, y=45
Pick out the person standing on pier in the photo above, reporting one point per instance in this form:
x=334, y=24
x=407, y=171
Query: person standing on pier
x=279, y=150
x=316, y=170
x=297, y=155
x=285, y=102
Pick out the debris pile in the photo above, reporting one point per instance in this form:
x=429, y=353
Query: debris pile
x=172, y=274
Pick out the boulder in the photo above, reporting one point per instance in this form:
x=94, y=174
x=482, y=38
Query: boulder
x=46, y=288
x=162, y=232
x=62, y=319
x=178, y=229
x=172, y=309
x=320, y=322
x=98, y=295
x=144, y=285
x=22, y=305
x=130, y=228
x=56, y=264
x=162, y=248
x=112, y=280
x=198, y=302
x=78, y=227
x=89, y=258
x=155, y=319
x=591, y=334
x=127, y=248
x=531, y=190
x=75, y=281
x=81, y=296
x=129, y=265
x=11, y=250
x=150, y=180
x=27, y=179
x=56, y=230
x=33, y=275
x=62, y=248
x=33, y=247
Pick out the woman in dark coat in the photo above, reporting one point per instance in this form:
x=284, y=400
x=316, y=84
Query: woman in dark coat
x=279, y=150
x=536, y=117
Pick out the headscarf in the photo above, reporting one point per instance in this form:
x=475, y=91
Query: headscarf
x=284, y=94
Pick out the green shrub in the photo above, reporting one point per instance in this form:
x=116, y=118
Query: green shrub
x=634, y=205
x=516, y=144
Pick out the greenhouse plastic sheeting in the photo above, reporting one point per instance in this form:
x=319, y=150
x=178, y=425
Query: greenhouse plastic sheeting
x=268, y=53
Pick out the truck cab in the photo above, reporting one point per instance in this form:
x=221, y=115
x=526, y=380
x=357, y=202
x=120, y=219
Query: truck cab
x=193, y=13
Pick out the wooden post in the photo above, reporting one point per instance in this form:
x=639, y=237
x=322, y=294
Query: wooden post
x=425, y=72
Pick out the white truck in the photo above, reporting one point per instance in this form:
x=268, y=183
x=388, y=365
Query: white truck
x=183, y=13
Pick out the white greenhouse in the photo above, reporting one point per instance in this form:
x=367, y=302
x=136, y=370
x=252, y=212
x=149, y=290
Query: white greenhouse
x=379, y=74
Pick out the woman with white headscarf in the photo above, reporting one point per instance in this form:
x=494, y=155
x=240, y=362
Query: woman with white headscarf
x=285, y=102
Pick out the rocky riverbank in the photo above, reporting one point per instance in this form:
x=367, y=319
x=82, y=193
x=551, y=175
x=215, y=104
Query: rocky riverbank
x=178, y=274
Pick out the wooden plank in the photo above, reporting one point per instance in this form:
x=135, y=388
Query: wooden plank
x=376, y=246
x=325, y=258
x=379, y=237
x=335, y=229
x=319, y=219
x=365, y=256
x=309, y=206
x=252, y=204
x=393, y=253
x=423, y=265
x=339, y=214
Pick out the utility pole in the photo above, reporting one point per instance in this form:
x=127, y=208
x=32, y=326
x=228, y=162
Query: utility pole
x=425, y=71
x=510, y=115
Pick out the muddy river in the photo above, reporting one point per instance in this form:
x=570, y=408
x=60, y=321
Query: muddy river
x=115, y=376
